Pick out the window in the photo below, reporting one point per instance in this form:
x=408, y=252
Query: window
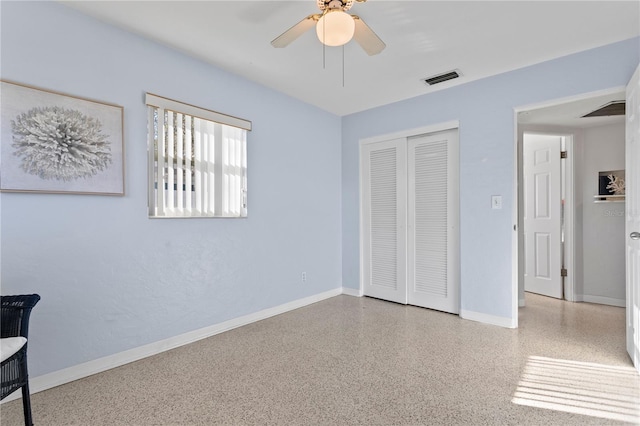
x=197, y=161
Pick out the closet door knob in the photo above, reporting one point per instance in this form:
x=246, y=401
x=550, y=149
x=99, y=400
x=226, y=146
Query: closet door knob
x=634, y=235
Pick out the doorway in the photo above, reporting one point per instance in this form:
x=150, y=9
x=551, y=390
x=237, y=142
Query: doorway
x=563, y=119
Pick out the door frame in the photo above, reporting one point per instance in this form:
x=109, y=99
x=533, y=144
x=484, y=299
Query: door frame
x=433, y=128
x=570, y=237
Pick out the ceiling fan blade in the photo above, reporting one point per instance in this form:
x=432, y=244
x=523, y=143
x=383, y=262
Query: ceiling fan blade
x=366, y=38
x=284, y=39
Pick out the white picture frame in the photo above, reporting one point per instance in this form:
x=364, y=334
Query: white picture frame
x=57, y=143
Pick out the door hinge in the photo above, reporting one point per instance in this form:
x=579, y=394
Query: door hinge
x=563, y=154
x=563, y=272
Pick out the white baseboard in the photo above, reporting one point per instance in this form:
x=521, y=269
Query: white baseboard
x=521, y=303
x=621, y=303
x=351, y=292
x=60, y=377
x=487, y=319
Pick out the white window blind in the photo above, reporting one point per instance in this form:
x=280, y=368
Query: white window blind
x=197, y=161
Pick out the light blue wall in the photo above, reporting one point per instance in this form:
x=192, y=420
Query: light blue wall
x=110, y=278
x=485, y=109
x=104, y=269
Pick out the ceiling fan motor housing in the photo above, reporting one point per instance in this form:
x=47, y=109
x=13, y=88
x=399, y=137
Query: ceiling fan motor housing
x=334, y=27
x=343, y=5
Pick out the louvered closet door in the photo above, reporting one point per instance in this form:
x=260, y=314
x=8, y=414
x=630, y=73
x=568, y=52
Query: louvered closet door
x=432, y=263
x=384, y=220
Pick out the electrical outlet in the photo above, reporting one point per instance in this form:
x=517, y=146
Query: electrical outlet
x=304, y=277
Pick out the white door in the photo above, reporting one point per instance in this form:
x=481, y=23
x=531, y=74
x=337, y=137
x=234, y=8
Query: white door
x=633, y=217
x=432, y=255
x=384, y=204
x=542, y=220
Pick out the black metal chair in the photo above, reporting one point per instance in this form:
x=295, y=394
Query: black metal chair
x=14, y=322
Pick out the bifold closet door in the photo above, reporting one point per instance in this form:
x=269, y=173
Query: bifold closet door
x=384, y=203
x=432, y=221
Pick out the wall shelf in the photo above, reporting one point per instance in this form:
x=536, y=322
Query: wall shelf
x=608, y=198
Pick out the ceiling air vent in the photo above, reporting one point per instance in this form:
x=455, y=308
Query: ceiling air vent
x=612, y=108
x=440, y=78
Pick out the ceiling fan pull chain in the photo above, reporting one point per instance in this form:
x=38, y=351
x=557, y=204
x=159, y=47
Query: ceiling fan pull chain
x=343, y=65
x=324, y=50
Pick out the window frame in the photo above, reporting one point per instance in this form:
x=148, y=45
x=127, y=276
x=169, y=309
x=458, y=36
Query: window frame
x=234, y=130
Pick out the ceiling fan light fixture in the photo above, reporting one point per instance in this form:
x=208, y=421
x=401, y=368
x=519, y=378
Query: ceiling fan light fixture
x=335, y=28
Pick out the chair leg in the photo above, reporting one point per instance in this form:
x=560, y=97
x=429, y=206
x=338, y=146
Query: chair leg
x=26, y=405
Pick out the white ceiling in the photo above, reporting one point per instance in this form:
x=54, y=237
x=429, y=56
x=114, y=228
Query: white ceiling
x=480, y=38
x=570, y=114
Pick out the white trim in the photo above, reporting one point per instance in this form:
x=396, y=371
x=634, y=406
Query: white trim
x=60, y=377
x=515, y=226
x=181, y=107
x=621, y=303
x=488, y=319
x=449, y=125
x=569, y=220
x=360, y=220
x=352, y=291
x=521, y=303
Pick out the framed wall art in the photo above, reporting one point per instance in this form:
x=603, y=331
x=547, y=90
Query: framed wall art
x=611, y=186
x=57, y=143
x=611, y=182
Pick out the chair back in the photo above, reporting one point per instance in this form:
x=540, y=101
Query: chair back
x=14, y=314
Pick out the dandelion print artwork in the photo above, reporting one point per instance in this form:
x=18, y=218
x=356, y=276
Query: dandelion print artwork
x=59, y=143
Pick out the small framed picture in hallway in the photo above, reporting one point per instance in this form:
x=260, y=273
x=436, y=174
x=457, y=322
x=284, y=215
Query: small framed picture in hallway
x=611, y=186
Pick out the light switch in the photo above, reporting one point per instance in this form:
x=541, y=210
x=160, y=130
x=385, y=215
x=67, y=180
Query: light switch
x=496, y=202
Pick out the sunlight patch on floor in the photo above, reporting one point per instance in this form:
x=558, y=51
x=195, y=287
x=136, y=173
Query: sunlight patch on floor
x=597, y=390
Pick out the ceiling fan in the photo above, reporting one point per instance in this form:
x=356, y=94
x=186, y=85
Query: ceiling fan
x=334, y=27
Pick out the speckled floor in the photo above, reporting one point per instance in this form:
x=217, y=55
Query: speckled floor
x=362, y=361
